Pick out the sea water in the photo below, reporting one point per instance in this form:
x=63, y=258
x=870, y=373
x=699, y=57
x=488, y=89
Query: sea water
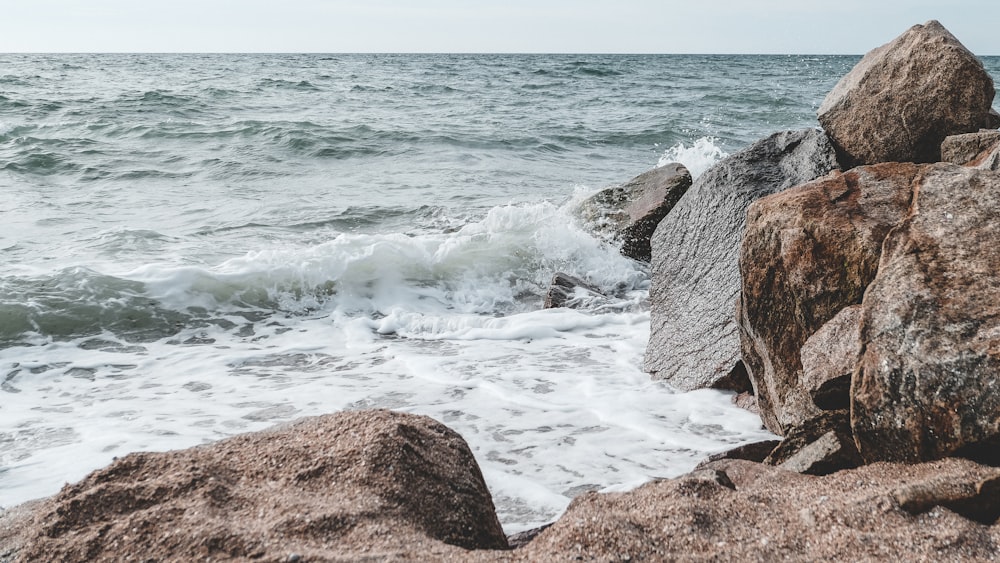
x=193, y=246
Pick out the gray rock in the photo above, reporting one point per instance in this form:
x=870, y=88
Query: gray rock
x=694, y=340
x=570, y=292
x=807, y=253
x=967, y=148
x=628, y=214
x=927, y=381
x=903, y=98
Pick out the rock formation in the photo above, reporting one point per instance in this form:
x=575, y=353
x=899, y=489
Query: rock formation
x=903, y=98
x=694, y=342
x=927, y=378
x=808, y=252
x=979, y=150
x=362, y=484
x=570, y=291
x=736, y=510
x=628, y=214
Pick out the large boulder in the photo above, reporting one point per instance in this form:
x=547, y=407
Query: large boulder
x=735, y=510
x=927, y=381
x=628, y=214
x=808, y=253
x=363, y=484
x=694, y=341
x=903, y=98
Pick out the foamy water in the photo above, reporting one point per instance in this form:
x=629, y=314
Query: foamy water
x=197, y=246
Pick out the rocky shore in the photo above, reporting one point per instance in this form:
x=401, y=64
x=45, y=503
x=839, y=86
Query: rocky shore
x=844, y=280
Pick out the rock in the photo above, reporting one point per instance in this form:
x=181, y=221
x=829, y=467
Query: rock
x=977, y=499
x=819, y=446
x=770, y=514
x=903, y=98
x=630, y=213
x=994, y=120
x=353, y=485
x=746, y=401
x=964, y=149
x=828, y=360
x=927, y=378
x=694, y=341
x=571, y=292
x=809, y=252
x=756, y=451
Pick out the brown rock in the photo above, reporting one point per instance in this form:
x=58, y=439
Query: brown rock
x=927, y=380
x=755, y=451
x=808, y=252
x=362, y=484
x=694, y=341
x=902, y=99
x=630, y=213
x=570, y=291
x=969, y=147
x=977, y=499
x=770, y=514
x=828, y=360
x=818, y=446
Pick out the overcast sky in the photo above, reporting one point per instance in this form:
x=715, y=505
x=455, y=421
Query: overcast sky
x=546, y=26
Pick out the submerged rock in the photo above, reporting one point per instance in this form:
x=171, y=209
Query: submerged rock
x=361, y=484
x=628, y=214
x=570, y=292
x=809, y=252
x=694, y=341
x=927, y=379
x=902, y=99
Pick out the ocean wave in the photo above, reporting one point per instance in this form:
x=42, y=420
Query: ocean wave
x=701, y=155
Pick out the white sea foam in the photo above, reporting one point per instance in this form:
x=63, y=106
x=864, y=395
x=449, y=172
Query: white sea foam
x=703, y=153
x=552, y=402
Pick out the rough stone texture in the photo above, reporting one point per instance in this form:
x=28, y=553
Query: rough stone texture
x=818, y=446
x=769, y=514
x=730, y=510
x=903, y=98
x=809, y=252
x=570, y=291
x=694, y=341
x=927, y=381
x=828, y=360
x=969, y=147
x=755, y=451
x=362, y=484
x=630, y=213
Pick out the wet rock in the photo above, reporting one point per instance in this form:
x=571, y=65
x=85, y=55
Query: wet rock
x=808, y=253
x=819, y=446
x=968, y=148
x=694, y=341
x=361, y=484
x=629, y=213
x=571, y=292
x=903, y=98
x=927, y=379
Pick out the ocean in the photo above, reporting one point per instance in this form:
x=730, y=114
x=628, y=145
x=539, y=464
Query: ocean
x=195, y=246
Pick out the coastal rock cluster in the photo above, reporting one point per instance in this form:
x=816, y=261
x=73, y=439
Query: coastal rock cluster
x=843, y=276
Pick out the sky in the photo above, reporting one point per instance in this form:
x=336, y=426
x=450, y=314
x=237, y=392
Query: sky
x=474, y=26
